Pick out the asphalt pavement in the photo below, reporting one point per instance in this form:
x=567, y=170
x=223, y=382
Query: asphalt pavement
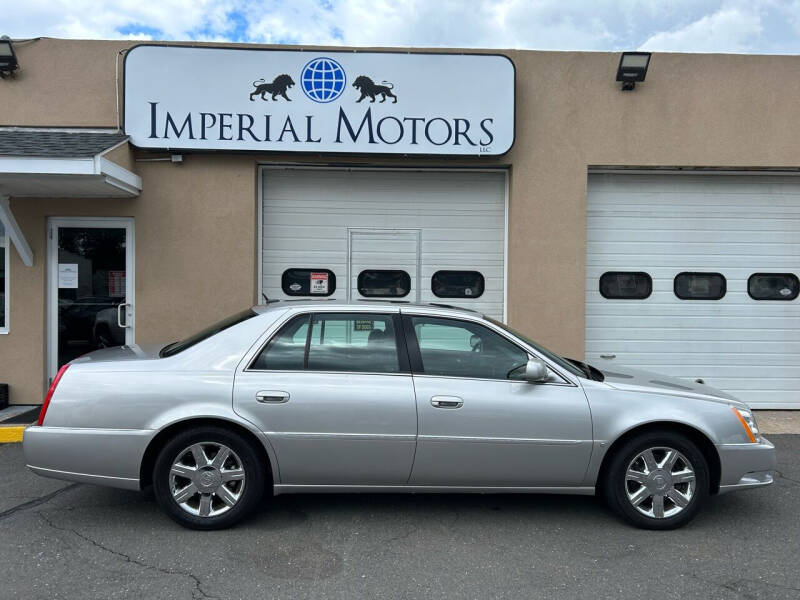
x=61, y=540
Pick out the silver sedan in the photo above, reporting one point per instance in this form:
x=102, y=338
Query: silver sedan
x=386, y=397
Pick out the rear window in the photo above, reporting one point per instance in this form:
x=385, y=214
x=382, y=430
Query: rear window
x=177, y=347
x=457, y=284
x=699, y=286
x=379, y=283
x=626, y=285
x=773, y=286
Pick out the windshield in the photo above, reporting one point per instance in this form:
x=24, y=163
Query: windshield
x=176, y=347
x=560, y=361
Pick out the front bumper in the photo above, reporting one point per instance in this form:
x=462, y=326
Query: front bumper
x=109, y=457
x=746, y=466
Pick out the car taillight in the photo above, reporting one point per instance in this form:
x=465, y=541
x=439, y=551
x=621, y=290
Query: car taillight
x=50, y=393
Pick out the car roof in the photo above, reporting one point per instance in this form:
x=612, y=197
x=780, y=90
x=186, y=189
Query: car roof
x=329, y=304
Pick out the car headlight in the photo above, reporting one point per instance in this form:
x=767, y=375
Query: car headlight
x=748, y=422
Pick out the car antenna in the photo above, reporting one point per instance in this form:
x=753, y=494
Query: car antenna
x=266, y=300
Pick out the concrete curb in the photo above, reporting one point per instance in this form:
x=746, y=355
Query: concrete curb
x=10, y=434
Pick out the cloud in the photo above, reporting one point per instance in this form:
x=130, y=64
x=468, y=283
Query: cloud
x=679, y=25
x=726, y=30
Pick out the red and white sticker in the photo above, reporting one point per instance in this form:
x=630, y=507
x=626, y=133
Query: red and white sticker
x=319, y=283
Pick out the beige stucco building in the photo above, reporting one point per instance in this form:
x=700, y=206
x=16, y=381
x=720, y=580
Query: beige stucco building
x=682, y=190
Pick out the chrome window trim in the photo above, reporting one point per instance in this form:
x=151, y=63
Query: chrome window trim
x=275, y=328
x=421, y=312
x=278, y=326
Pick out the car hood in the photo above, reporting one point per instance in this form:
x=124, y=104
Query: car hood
x=121, y=353
x=635, y=380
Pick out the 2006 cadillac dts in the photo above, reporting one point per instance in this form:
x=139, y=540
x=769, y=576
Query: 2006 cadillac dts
x=391, y=397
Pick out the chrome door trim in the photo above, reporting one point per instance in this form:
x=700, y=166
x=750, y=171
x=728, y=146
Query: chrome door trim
x=502, y=440
x=283, y=488
x=350, y=436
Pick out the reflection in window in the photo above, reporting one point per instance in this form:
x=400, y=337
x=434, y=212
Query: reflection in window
x=308, y=282
x=353, y=342
x=454, y=348
x=773, y=286
x=699, y=286
x=377, y=283
x=626, y=285
x=457, y=284
x=286, y=351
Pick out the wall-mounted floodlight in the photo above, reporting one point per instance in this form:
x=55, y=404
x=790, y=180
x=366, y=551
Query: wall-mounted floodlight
x=632, y=68
x=8, y=60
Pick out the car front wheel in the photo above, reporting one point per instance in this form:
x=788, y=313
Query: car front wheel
x=657, y=480
x=208, y=478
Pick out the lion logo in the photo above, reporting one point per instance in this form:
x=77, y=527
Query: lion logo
x=277, y=88
x=367, y=87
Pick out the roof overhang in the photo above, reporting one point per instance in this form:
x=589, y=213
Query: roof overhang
x=96, y=177
x=65, y=164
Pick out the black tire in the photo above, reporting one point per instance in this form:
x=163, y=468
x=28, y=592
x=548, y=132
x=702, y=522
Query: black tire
x=253, y=486
x=615, y=487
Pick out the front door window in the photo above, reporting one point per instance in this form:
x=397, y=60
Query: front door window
x=90, y=278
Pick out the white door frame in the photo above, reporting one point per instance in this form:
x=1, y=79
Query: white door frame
x=53, y=223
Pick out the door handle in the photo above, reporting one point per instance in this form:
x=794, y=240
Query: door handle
x=270, y=397
x=609, y=356
x=119, y=315
x=446, y=402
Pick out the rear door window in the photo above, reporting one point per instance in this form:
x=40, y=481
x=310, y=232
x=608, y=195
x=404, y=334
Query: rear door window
x=287, y=349
x=353, y=342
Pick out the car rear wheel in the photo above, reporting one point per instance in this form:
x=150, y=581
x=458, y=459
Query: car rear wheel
x=657, y=480
x=208, y=478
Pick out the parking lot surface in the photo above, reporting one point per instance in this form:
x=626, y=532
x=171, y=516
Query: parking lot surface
x=60, y=540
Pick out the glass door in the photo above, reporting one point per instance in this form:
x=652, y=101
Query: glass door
x=90, y=291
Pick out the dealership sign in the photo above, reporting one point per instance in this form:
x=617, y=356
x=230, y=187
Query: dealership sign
x=204, y=98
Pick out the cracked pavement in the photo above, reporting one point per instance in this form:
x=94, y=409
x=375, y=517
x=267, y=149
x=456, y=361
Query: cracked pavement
x=61, y=540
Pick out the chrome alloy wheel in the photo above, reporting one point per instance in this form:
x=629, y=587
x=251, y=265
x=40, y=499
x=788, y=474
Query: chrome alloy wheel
x=207, y=479
x=660, y=482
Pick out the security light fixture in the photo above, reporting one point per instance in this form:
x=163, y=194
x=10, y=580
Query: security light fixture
x=632, y=68
x=8, y=60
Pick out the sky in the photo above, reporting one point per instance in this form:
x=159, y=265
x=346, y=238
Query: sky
x=754, y=26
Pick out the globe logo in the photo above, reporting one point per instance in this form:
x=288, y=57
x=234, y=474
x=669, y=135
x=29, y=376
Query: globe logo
x=323, y=79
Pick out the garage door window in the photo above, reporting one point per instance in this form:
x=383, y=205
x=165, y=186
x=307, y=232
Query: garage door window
x=384, y=283
x=699, y=286
x=773, y=286
x=308, y=282
x=457, y=284
x=626, y=285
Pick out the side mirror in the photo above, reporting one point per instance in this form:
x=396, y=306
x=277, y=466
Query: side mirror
x=536, y=371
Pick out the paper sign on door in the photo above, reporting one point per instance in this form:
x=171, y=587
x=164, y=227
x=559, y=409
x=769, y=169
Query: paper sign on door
x=319, y=283
x=68, y=275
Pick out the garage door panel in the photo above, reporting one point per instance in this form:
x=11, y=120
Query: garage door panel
x=667, y=224
x=306, y=216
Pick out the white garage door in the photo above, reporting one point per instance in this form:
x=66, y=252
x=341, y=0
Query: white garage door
x=709, y=227
x=412, y=224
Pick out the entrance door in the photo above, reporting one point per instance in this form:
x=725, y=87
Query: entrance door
x=384, y=264
x=90, y=287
